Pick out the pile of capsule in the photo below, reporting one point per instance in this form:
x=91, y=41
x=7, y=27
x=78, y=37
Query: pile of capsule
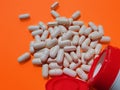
x=65, y=46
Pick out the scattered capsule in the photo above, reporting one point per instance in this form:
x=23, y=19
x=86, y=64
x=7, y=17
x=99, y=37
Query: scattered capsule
x=60, y=56
x=90, y=62
x=73, y=65
x=55, y=14
x=51, y=43
x=75, y=40
x=51, y=30
x=24, y=16
x=75, y=33
x=65, y=62
x=50, y=60
x=56, y=32
x=95, y=35
x=70, y=21
x=52, y=24
x=54, y=65
x=42, y=25
x=87, y=31
x=74, y=56
x=67, y=35
x=24, y=57
x=54, y=5
x=98, y=49
x=80, y=23
x=90, y=53
x=37, y=54
x=69, y=72
x=31, y=49
x=68, y=57
x=45, y=35
x=82, y=29
x=81, y=39
x=85, y=67
x=105, y=39
x=37, y=38
x=69, y=48
x=63, y=29
x=37, y=61
x=93, y=44
x=33, y=27
x=93, y=26
x=76, y=15
x=74, y=28
x=82, y=58
x=78, y=53
x=62, y=20
x=39, y=45
x=37, y=32
x=85, y=44
x=45, y=70
x=53, y=51
x=100, y=29
x=64, y=43
x=55, y=72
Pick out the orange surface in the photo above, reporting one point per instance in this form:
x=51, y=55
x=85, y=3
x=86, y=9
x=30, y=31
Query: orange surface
x=15, y=38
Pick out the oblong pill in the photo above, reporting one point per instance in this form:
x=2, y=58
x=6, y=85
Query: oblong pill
x=45, y=70
x=33, y=27
x=37, y=38
x=69, y=48
x=37, y=32
x=53, y=51
x=90, y=53
x=24, y=57
x=69, y=72
x=85, y=67
x=75, y=65
x=37, y=61
x=54, y=5
x=68, y=57
x=42, y=25
x=82, y=29
x=56, y=32
x=93, y=26
x=85, y=44
x=60, y=56
x=78, y=53
x=95, y=35
x=51, y=43
x=87, y=31
x=55, y=72
x=45, y=35
x=54, y=65
x=76, y=15
x=39, y=45
x=74, y=28
x=64, y=43
x=67, y=35
x=52, y=24
x=55, y=14
x=105, y=39
x=81, y=39
x=50, y=60
x=24, y=16
x=80, y=23
x=65, y=62
x=98, y=49
x=63, y=29
x=74, y=56
x=100, y=29
x=93, y=44
x=75, y=40
x=31, y=49
x=62, y=20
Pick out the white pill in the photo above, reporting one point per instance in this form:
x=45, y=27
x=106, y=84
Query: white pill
x=56, y=32
x=98, y=49
x=51, y=43
x=45, y=70
x=82, y=29
x=83, y=59
x=93, y=44
x=68, y=57
x=89, y=54
x=51, y=30
x=38, y=54
x=74, y=56
x=73, y=65
x=69, y=72
x=39, y=45
x=105, y=39
x=54, y=5
x=64, y=43
x=42, y=25
x=100, y=29
x=67, y=35
x=65, y=62
x=33, y=27
x=62, y=20
x=31, y=49
x=37, y=38
x=74, y=28
x=55, y=14
x=53, y=51
x=93, y=26
x=76, y=15
x=69, y=48
x=62, y=28
x=90, y=62
x=75, y=40
x=52, y=24
x=75, y=33
x=85, y=44
x=55, y=72
x=54, y=65
x=86, y=67
x=37, y=32
x=50, y=60
x=81, y=39
x=24, y=57
x=70, y=21
x=78, y=53
x=60, y=56
x=24, y=16
x=37, y=61
x=80, y=23
x=95, y=35
x=45, y=35
x=87, y=31
x=81, y=74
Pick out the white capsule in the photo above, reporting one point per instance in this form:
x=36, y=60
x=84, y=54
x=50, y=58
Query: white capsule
x=85, y=67
x=31, y=49
x=62, y=20
x=75, y=33
x=51, y=43
x=87, y=31
x=37, y=61
x=100, y=29
x=24, y=16
x=74, y=56
x=37, y=54
x=45, y=70
x=39, y=45
x=54, y=65
x=55, y=14
x=37, y=38
x=90, y=62
x=74, y=28
x=60, y=56
x=75, y=40
x=56, y=32
x=63, y=29
x=68, y=57
x=69, y=48
x=90, y=53
x=73, y=65
x=78, y=53
x=55, y=72
x=93, y=44
x=93, y=26
x=70, y=21
x=80, y=23
x=81, y=39
x=50, y=60
x=24, y=57
x=53, y=51
x=85, y=44
x=64, y=43
x=76, y=15
x=51, y=30
x=82, y=29
x=45, y=35
x=52, y=24
x=33, y=27
x=69, y=72
x=54, y=5
x=105, y=39
x=83, y=59
x=95, y=35
x=81, y=74
x=37, y=32
x=42, y=25
x=98, y=49
x=65, y=62
x=67, y=35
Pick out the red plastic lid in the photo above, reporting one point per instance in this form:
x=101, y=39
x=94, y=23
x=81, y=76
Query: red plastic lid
x=108, y=71
x=66, y=83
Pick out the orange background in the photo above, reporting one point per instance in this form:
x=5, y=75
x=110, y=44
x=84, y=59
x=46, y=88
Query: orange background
x=15, y=38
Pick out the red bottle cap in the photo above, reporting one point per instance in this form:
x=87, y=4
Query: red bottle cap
x=110, y=61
